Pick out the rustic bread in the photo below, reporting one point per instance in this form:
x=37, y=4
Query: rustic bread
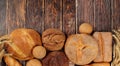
x=53, y=39
x=22, y=42
x=81, y=49
x=11, y=61
x=55, y=58
x=105, y=46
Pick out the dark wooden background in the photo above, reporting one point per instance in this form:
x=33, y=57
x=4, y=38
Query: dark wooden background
x=65, y=15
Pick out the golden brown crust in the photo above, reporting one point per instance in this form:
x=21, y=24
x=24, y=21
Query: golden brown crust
x=105, y=46
x=53, y=39
x=11, y=61
x=100, y=56
x=55, y=58
x=23, y=41
x=39, y=52
x=33, y=62
x=86, y=28
x=81, y=49
x=16, y=55
x=34, y=35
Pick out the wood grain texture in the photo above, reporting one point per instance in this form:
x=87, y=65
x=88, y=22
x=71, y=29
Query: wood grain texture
x=35, y=15
x=115, y=6
x=102, y=15
x=3, y=28
x=15, y=14
x=53, y=14
x=69, y=22
x=85, y=12
x=65, y=15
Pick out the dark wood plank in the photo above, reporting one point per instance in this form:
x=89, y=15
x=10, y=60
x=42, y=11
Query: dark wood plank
x=3, y=29
x=85, y=12
x=115, y=4
x=102, y=15
x=35, y=15
x=15, y=14
x=69, y=22
x=53, y=14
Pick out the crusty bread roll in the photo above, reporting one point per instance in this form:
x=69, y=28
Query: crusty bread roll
x=53, y=39
x=81, y=49
x=39, y=52
x=85, y=28
x=105, y=46
x=56, y=58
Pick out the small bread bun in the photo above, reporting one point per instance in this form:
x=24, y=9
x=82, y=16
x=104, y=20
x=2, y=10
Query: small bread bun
x=86, y=28
x=39, y=52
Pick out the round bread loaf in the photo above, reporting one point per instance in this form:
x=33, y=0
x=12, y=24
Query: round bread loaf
x=53, y=39
x=55, y=58
x=81, y=49
x=22, y=42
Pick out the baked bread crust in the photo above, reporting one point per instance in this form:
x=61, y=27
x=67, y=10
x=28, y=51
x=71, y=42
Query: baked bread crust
x=23, y=41
x=53, y=39
x=55, y=58
x=81, y=49
x=105, y=46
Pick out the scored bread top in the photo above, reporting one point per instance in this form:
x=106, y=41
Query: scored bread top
x=23, y=41
x=81, y=49
x=53, y=39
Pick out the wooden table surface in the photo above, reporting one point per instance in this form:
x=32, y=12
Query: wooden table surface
x=65, y=15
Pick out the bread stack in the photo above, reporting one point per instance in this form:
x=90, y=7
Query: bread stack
x=89, y=50
x=52, y=49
